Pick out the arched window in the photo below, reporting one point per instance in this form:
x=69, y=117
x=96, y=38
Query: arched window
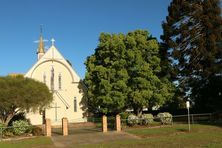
x=44, y=78
x=52, y=79
x=75, y=104
x=60, y=81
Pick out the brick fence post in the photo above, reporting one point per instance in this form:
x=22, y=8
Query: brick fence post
x=48, y=128
x=65, y=126
x=118, y=123
x=104, y=124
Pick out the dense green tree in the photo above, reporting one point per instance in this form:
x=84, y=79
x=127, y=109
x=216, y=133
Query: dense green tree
x=192, y=32
x=146, y=89
x=19, y=94
x=106, y=76
x=123, y=73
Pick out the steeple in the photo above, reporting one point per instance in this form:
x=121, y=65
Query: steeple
x=41, y=50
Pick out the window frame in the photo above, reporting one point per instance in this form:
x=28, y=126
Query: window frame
x=75, y=104
x=60, y=81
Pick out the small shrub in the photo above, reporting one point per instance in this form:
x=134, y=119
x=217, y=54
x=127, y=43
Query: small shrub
x=1, y=127
x=132, y=120
x=36, y=131
x=146, y=119
x=8, y=132
x=165, y=118
x=20, y=127
x=18, y=116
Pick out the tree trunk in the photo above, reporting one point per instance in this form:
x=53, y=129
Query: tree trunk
x=6, y=119
x=138, y=111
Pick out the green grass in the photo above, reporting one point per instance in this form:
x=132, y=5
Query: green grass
x=173, y=136
x=201, y=135
x=27, y=143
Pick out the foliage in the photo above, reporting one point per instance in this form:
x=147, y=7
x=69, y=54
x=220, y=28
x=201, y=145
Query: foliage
x=209, y=96
x=36, y=131
x=18, y=116
x=8, y=132
x=192, y=44
x=106, y=77
x=165, y=118
x=124, y=115
x=132, y=120
x=1, y=127
x=147, y=119
x=20, y=127
x=19, y=94
x=123, y=73
x=146, y=89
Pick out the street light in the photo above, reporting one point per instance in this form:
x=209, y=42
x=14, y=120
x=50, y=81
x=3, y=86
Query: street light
x=188, y=113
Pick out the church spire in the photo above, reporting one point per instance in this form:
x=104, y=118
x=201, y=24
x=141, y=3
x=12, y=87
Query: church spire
x=41, y=50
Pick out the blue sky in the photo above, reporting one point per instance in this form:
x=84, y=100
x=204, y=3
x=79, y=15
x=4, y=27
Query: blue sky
x=75, y=25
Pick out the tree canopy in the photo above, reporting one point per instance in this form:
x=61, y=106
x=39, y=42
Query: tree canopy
x=123, y=73
x=192, y=38
x=19, y=94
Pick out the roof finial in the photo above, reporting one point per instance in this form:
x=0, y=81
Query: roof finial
x=41, y=29
x=41, y=42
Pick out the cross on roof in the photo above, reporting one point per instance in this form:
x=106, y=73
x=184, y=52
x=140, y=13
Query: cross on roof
x=53, y=41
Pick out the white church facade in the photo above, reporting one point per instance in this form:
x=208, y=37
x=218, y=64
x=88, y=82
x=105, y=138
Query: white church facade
x=54, y=70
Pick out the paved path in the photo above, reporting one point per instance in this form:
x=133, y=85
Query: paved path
x=90, y=138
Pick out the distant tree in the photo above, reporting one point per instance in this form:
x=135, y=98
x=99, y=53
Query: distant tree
x=192, y=33
x=18, y=94
x=123, y=73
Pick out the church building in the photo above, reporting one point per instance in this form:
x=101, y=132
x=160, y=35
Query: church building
x=57, y=73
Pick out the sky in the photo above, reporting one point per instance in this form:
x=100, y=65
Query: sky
x=74, y=24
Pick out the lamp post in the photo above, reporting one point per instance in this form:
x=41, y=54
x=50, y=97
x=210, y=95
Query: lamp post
x=188, y=113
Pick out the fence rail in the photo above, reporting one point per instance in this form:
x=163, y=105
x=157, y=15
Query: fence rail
x=206, y=117
x=155, y=121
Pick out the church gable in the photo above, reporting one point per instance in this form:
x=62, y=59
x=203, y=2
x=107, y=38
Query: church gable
x=54, y=70
x=53, y=55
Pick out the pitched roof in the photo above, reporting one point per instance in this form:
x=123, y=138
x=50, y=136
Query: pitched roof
x=53, y=55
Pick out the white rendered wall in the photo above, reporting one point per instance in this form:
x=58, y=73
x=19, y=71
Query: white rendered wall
x=69, y=90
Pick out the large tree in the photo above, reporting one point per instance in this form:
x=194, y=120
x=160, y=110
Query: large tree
x=123, y=73
x=192, y=33
x=146, y=87
x=106, y=76
x=19, y=94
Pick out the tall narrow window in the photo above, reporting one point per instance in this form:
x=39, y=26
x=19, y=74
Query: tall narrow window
x=60, y=81
x=44, y=78
x=52, y=79
x=75, y=104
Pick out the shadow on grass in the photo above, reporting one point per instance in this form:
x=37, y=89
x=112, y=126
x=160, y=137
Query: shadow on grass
x=212, y=123
x=73, y=131
x=84, y=130
x=182, y=130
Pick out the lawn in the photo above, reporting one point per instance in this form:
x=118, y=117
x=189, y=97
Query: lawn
x=177, y=135
x=28, y=143
x=173, y=136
